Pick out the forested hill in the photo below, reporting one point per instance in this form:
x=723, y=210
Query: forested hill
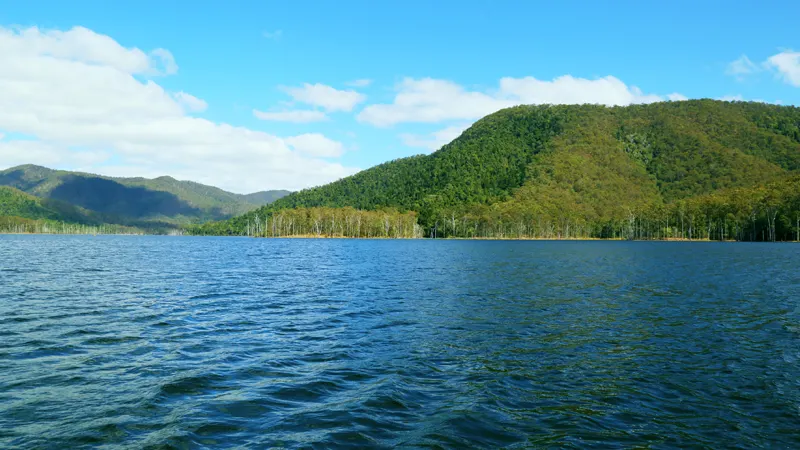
x=15, y=203
x=584, y=167
x=25, y=213
x=163, y=200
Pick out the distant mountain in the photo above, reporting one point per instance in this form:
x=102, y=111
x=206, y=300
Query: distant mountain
x=25, y=213
x=162, y=200
x=264, y=197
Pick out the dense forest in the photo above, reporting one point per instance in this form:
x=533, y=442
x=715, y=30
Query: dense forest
x=25, y=213
x=699, y=169
x=335, y=222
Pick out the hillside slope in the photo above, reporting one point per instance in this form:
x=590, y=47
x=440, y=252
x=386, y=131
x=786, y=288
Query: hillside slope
x=162, y=199
x=592, y=162
x=25, y=213
x=15, y=203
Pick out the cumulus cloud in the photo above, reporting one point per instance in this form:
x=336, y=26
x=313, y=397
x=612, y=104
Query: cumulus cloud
x=295, y=116
x=326, y=97
x=570, y=90
x=17, y=152
x=431, y=100
x=81, y=97
x=315, y=144
x=787, y=64
x=435, y=140
x=81, y=45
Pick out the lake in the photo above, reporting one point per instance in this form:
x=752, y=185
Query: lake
x=189, y=342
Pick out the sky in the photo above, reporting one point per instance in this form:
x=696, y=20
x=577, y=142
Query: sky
x=259, y=95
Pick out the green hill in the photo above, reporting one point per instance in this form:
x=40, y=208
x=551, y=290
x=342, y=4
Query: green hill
x=162, y=200
x=580, y=169
x=25, y=213
x=14, y=202
x=22, y=212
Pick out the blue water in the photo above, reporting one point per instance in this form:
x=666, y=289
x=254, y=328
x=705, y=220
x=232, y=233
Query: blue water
x=137, y=342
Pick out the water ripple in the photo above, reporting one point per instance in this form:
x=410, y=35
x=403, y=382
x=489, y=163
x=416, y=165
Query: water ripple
x=155, y=342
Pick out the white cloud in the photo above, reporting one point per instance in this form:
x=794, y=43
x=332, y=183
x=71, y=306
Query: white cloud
x=742, y=66
x=677, y=97
x=787, y=63
x=431, y=100
x=329, y=98
x=436, y=139
x=273, y=34
x=75, y=92
x=2, y=136
x=191, y=103
x=570, y=90
x=296, y=116
x=315, y=144
x=81, y=45
x=364, y=82
x=17, y=152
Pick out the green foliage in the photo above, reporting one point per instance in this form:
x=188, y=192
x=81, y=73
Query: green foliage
x=483, y=165
x=758, y=213
x=15, y=224
x=325, y=222
x=25, y=213
x=700, y=146
x=14, y=202
x=569, y=171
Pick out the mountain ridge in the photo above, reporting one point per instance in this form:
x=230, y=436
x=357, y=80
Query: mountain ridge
x=160, y=201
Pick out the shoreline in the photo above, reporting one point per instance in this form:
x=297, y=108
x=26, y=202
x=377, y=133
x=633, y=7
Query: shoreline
x=14, y=233
x=578, y=239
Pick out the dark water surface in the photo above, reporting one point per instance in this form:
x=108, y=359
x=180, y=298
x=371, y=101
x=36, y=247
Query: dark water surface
x=135, y=342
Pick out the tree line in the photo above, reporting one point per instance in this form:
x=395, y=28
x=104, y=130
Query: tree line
x=762, y=213
x=320, y=222
x=19, y=225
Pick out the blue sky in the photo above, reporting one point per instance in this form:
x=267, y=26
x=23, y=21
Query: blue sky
x=373, y=81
